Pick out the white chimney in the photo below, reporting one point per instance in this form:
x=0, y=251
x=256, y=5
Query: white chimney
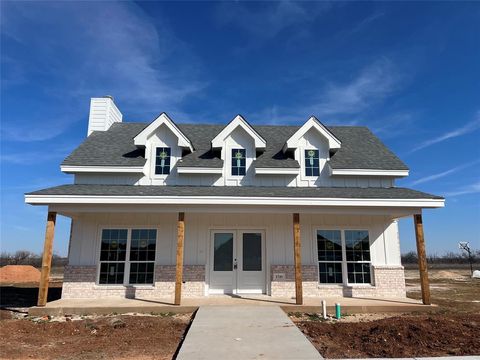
x=103, y=113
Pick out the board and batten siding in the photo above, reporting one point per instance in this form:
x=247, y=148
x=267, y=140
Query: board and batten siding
x=86, y=230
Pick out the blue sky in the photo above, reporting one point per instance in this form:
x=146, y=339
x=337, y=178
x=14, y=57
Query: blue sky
x=410, y=71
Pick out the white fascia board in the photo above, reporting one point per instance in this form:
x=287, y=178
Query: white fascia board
x=369, y=172
x=312, y=122
x=277, y=171
x=199, y=170
x=101, y=169
x=218, y=140
x=141, y=138
x=230, y=200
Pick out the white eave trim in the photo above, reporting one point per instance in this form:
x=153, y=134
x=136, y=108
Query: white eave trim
x=199, y=170
x=312, y=122
x=218, y=141
x=230, y=200
x=277, y=171
x=141, y=138
x=101, y=169
x=368, y=172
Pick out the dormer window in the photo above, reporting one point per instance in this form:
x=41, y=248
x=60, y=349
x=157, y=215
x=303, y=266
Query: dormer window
x=312, y=166
x=238, y=162
x=162, y=161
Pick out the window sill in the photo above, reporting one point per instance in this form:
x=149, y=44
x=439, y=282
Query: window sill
x=122, y=287
x=367, y=286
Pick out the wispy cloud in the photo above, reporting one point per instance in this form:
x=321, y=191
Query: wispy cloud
x=373, y=84
x=34, y=157
x=469, y=189
x=444, y=173
x=266, y=22
x=463, y=130
x=90, y=49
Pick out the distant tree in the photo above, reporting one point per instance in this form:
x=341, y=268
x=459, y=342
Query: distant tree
x=22, y=257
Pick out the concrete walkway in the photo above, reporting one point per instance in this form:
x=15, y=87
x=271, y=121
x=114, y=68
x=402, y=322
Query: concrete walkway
x=245, y=332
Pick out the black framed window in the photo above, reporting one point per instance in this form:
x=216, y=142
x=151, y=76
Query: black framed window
x=357, y=249
x=127, y=256
x=329, y=246
x=238, y=162
x=344, y=257
x=113, y=251
x=312, y=164
x=162, y=161
x=142, y=256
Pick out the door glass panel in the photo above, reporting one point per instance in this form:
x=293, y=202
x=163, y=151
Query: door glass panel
x=223, y=252
x=252, y=252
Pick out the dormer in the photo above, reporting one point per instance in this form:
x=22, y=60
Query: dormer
x=238, y=143
x=312, y=144
x=164, y=145
x=238, y=122
x=312, y=123
x=163, y=119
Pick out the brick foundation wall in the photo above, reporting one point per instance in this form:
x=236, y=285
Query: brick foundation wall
x=389, y=282
x=79, y=282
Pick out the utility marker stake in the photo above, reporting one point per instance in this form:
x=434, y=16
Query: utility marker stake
x=324, y=309
x=338, y=314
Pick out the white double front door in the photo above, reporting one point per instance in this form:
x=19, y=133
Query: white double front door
x=237, y=262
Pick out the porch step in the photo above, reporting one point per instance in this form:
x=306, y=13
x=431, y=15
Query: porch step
x=245, y=332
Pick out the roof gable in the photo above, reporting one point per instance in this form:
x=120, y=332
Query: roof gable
x=312, y=123
x=162, y=119
x=238, y=121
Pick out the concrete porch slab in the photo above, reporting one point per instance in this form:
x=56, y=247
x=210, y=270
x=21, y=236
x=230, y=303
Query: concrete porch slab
x=139, y=305
x=245, y=332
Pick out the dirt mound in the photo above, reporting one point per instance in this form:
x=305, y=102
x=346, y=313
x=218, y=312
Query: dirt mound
x=17, y=274
x=406, y=336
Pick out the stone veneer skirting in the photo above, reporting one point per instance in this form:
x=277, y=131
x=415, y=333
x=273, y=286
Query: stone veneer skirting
x=389, y=282
x=80, y=282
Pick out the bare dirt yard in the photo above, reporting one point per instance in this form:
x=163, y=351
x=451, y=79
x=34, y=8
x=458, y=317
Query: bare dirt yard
x=451, y=330
x=106, y=337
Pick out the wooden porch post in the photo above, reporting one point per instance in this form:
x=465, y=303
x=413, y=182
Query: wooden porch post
x=46, y=259
x=179, y=270
x=297, y=254
x=422, y=258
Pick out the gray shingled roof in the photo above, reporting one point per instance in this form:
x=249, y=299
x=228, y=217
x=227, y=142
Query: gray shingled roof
x=244, y=191
x=360, y=148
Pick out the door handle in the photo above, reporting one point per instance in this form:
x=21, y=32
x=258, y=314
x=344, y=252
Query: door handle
x=235, y=264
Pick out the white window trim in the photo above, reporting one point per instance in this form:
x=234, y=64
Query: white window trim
x=344, y=261
x=304, y=169
x=230, y=150
x=126, y=274
x=154, y=162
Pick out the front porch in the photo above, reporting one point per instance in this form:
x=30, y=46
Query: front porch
x=104, y=306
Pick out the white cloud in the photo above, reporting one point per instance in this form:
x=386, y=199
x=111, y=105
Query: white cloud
x=267, y=21
x=469, y=189
x=463, y=130
x=88, y=49
x=443, y=174
x=372, y=85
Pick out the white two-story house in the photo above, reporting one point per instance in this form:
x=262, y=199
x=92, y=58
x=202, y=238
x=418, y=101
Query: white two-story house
x=163, y=209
